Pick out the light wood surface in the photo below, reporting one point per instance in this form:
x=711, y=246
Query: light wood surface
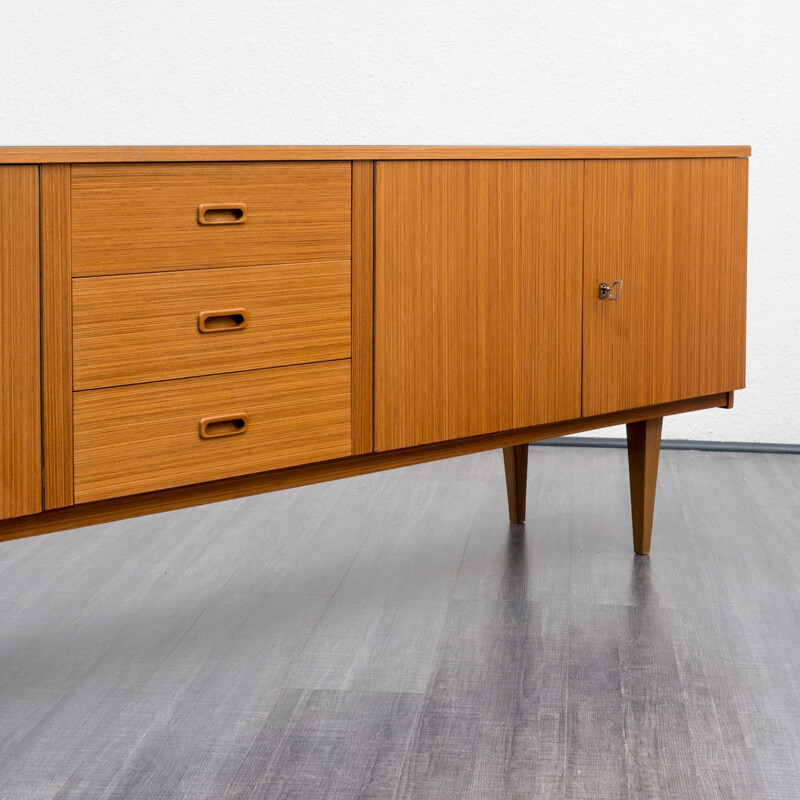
x=644, y=444
x=221, y=213
x=20, y=399
x=43, y=155
x=92, y=513
x=674, y=231
x=477, y=319
x=138, y=438
x=362, y=304
x=136, y=328
x=143, y=217
x=515, y=461
x=197, y=284
x=56, y=335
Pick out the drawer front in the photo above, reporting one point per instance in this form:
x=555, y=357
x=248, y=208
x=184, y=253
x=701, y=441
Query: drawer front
x=131, y=439
x=138, y=328
x=153, y=217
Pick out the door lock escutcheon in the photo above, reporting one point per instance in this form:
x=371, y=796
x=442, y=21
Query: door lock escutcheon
x=610, y=291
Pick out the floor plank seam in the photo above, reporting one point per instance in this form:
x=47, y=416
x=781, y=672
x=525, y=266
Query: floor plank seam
x=675, y=676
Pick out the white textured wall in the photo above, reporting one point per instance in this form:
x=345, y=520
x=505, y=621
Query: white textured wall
x=433, y=72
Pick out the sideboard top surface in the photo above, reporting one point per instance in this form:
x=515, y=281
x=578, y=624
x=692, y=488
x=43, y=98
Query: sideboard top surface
x=60, y=155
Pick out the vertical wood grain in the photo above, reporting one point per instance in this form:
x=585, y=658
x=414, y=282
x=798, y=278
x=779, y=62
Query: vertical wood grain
x=515, y=459
x=644, y=444
x=674, y=231
x=56, y=336
x=729, y=404
x=20, y=401
x=478, y=318
x=362, y=304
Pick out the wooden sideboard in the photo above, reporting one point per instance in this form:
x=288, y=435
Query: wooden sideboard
x=185, y=325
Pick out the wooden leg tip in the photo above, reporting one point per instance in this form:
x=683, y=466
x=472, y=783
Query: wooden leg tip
x=516, y=465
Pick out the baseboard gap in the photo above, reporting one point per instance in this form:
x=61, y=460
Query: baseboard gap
x=674, y=444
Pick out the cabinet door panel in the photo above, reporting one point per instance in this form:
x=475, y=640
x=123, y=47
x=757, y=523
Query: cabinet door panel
x=20, y=419
x=478, y=318
x=674, y=232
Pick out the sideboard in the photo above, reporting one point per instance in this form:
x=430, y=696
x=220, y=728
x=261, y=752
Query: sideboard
x=183, y=325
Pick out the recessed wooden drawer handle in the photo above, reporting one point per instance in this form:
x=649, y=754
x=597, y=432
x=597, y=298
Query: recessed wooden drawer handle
x=214, y=427
x=221, y=213
x=218, y=321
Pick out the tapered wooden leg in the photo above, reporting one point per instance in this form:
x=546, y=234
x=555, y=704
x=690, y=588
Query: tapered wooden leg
x=516, y=463
x=644, y=443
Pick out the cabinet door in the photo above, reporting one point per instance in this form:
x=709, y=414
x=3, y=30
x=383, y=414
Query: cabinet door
x=674, y=233
x=477, y=297
x=20, y=419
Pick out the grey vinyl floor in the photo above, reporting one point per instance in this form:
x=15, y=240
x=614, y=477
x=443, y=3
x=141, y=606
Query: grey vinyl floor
x=391, y=636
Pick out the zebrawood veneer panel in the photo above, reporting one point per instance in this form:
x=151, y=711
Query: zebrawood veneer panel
x=20, y=377
x=478, y=282
x=674, y=232
x=138, y=438
x=145, y=217
x=138, y=328
x=363, y=304
x=56, y=336
x=88, y=155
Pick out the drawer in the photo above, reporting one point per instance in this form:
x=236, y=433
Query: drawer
x=147, y=217
x=131, y=439
x=137, y=328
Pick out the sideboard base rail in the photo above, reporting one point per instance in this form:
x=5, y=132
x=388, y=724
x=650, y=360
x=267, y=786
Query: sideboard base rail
x=78, y=516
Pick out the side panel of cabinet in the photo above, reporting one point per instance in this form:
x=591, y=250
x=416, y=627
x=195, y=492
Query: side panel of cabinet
x=20, y=404
x=477, y=297
x=674, y=232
